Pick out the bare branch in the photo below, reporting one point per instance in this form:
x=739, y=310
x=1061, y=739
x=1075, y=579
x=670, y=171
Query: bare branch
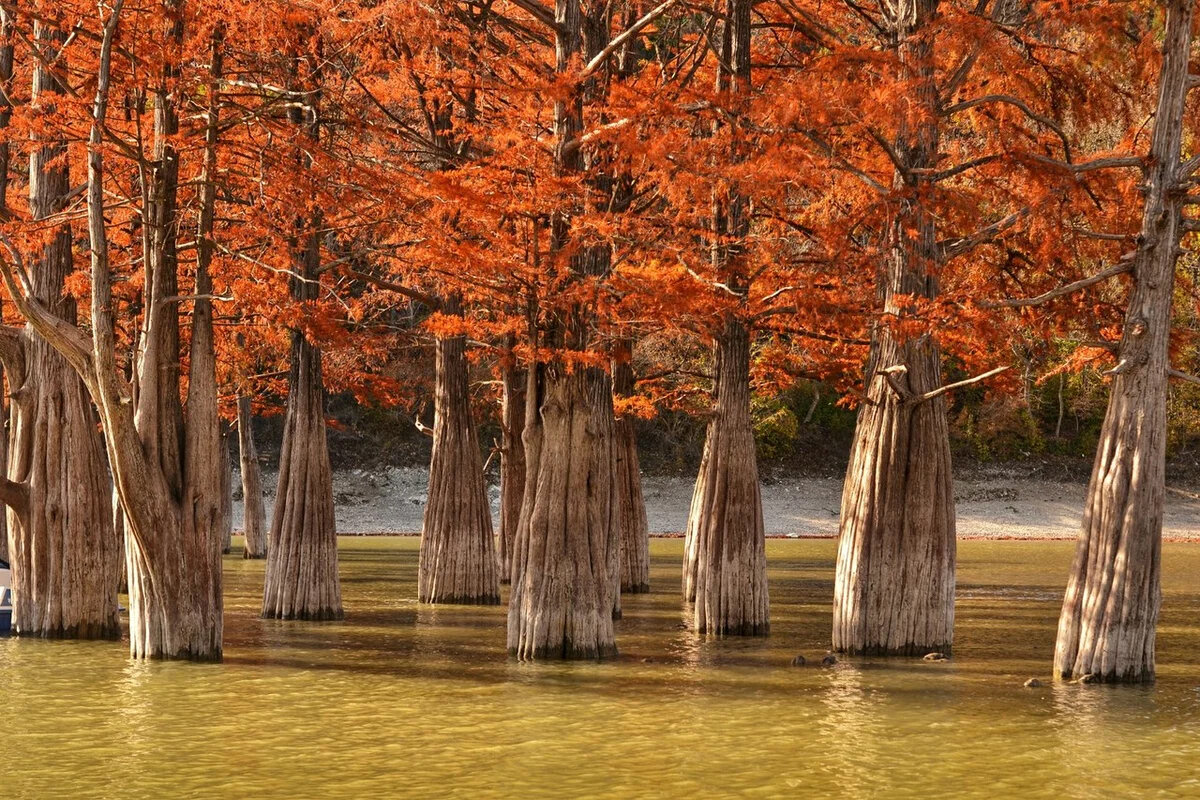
x=620, y=39
x=1183, y=376
x=1122, y=266
x=959, y=384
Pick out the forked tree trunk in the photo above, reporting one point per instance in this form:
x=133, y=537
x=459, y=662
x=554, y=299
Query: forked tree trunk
x=172, y=547
x=226, y=519
x=65, y=559
x=563, y=582
x=512, y=461
x=458, y=556
x=631, y=508
x=1110, y=611
x=894, y=585
x=171, y=485
x=254, y=514
x=725, y=563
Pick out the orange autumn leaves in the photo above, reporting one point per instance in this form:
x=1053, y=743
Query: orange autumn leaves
x=434, y=174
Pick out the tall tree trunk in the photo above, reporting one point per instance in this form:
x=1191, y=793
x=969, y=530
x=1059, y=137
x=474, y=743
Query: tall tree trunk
x=170, y=487
x=6, y=107
x=1110, y=611
x=226, y=519
x=254, y=514
x=631, y=510
x=562, y=595
x=894, y=585
x=725, y=566
x=302, y=561
x=512, y=459
x=63, y=553
x=458, y=557
x=725, y=562
x=172, y=548
x=565, y=591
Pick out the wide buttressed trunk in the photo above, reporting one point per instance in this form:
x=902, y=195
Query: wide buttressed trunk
x=65, y=558
x=512, y=461
x=894, y=585
x=1110, y=611
x=254, y=513
x=631, y=508
x=725, y=563
x=302, y=562
x=458, y=557
x=564, y=578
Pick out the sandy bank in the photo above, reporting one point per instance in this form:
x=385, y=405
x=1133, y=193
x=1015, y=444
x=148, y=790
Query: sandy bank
x=990, y=506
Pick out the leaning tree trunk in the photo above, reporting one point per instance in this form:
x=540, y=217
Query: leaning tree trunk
x=725, y=563
x=631, y=509
x=563, y=582
x=894, y=584
x=254, y=514
x=512, y=461
x=1110, y=611
x=65, y=559
x=458, y=557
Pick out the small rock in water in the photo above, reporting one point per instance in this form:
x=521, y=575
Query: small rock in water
x=829, y=660
x=936, y=657
x=799, y=661
x=1091, y=677
x=1033, y=683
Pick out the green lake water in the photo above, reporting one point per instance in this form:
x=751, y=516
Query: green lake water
x=405, y=700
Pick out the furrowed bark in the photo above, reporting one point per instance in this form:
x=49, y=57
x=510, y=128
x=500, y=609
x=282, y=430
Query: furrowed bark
x=631, y=511
x=512, y=459
x=725, y=567
x=562, y=604
x=254, y=514
x=458, y=557
x=725, y=563
x=65, y=560
x=1110, y=610
x=302, y=560
x=170, y=486
x=894, y=585
x=565, y=590
x=225, y=524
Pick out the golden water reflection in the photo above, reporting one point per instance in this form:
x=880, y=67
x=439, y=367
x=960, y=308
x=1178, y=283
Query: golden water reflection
x=408, y=700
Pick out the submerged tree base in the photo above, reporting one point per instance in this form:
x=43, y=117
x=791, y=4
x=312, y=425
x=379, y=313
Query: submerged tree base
x=904, y=651
x=566, y=652
x=94, y=632
x=316, y=615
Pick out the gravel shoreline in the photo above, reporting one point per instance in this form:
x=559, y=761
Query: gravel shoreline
x=996, y=506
